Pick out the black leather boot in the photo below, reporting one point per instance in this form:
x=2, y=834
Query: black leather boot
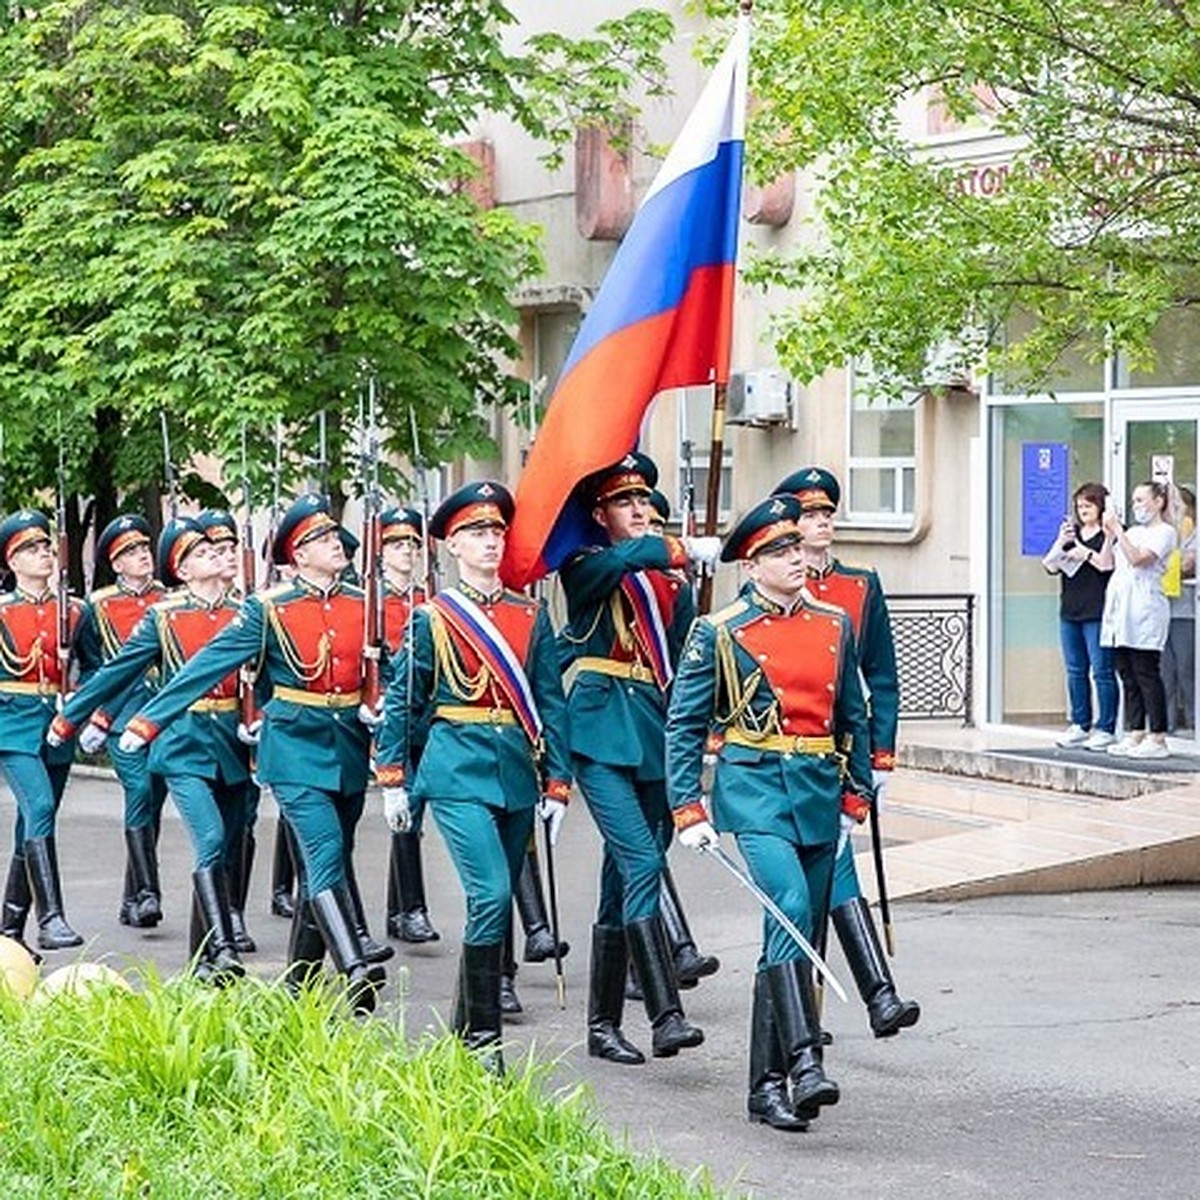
x=373, y=951
x=477, y=1008
x=531, y=904
x=510, y=1002
x=54, y=933
x=407, y=911
x=606, y=998
x=331, y=911
x=768, y=1102
x=306, y=948
x=18, y=899
x=690, y=965
x=141, y=849
x=860, y=942
x=219, y=951
x=283, y=871
x=649, y=950
x=794, y=1008
x=240, y=865
x=127, y=913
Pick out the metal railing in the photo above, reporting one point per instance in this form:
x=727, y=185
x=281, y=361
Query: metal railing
x=935, y=655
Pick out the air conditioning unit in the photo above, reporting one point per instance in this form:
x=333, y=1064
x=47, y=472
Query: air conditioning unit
x=949, y=368
x=761, y=397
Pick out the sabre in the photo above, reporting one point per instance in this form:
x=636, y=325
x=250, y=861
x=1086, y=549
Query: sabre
x=789, y=926
x=560, y=978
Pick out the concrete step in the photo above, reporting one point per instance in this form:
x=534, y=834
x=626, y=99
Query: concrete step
x=953, y=836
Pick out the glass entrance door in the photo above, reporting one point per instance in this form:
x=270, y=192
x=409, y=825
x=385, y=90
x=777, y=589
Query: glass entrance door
x=1159, y=441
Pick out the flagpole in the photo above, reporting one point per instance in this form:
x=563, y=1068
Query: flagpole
x=716, y=448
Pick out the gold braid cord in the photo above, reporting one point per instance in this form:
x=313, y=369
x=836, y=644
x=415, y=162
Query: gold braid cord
x=740, y=694
x=461, y=683
x=304, y=671
x=16, y=664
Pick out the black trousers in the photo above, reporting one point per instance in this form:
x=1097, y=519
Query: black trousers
x=1145, y=696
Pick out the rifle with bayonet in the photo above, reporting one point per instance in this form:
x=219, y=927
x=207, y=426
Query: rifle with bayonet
x=373, y=619
x=276, y=503
x=63, y=592
x=428, y=556
x=172, y=478
x=247, y=676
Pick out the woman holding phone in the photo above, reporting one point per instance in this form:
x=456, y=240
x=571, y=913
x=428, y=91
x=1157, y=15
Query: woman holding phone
x=1137, y=617
x=1083, y=559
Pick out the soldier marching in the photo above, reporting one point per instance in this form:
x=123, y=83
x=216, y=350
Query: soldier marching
x=204, y=690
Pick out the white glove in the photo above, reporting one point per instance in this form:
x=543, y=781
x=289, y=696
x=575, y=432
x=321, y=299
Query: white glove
x=92, y=738
x=248, y=734
x=552, y=812
x=846, y=824
x=131, y=742
x=703, y=551
x=880, y=780
x=396, y=809
x=52, y=738
x=699, y=836
x=372, y=718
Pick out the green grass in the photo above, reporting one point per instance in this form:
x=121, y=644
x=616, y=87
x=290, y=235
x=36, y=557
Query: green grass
x=180, y=1090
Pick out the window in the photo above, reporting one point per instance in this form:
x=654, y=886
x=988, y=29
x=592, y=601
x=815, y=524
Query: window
x=882, y=464
x=695, y=438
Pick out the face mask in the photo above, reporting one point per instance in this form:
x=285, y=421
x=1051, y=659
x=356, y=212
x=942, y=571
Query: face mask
x=1141, y=514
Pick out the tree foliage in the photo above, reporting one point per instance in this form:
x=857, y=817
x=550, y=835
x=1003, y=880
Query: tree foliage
x=238, y=211
x=1094, y=233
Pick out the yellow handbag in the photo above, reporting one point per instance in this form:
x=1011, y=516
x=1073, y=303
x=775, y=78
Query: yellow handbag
x=1172, y=579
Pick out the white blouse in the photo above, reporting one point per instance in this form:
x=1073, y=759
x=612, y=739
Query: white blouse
x=1136, y=612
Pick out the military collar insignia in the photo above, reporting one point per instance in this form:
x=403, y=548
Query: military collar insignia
x=473, y=593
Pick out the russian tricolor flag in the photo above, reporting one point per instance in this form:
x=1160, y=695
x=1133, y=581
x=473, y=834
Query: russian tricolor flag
x=663, y=319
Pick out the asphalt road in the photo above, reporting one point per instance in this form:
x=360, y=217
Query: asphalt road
x=1058, y=1054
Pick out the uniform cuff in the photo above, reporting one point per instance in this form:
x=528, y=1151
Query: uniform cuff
x=688, y=815
x=855, y=806
x=389, y=775
x=62, y=728
x=676, y=549
x=558, y=789
x=139, y=726
x=883, y=760
x=101, y=720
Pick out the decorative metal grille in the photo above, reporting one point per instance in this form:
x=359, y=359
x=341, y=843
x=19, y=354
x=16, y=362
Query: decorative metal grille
x=935, y=655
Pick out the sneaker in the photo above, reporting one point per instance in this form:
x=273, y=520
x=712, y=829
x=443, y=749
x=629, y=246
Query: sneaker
x=1075, y=736
x=1123, y=748
x=1099, y=740
x=1149, y=748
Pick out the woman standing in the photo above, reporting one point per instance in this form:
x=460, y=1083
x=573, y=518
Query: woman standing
x=1137, y=617
x=1082, y=557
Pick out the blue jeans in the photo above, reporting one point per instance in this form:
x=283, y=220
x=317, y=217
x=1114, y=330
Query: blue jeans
x=1082, y=653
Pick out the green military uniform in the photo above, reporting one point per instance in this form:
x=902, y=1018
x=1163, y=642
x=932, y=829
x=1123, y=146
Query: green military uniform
x=629, y=608
x=781, y=685
x=858, y=592
x=481, y=672
x=313, y=748
x=109, y=617
x=31, y=681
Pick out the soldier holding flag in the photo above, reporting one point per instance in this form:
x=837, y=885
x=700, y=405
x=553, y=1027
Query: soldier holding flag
x=628, y=613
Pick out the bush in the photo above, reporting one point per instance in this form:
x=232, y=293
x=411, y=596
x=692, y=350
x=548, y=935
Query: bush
x=180, y=1090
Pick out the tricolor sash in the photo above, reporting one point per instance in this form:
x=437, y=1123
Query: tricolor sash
x=470, y=622
x=648, y=627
